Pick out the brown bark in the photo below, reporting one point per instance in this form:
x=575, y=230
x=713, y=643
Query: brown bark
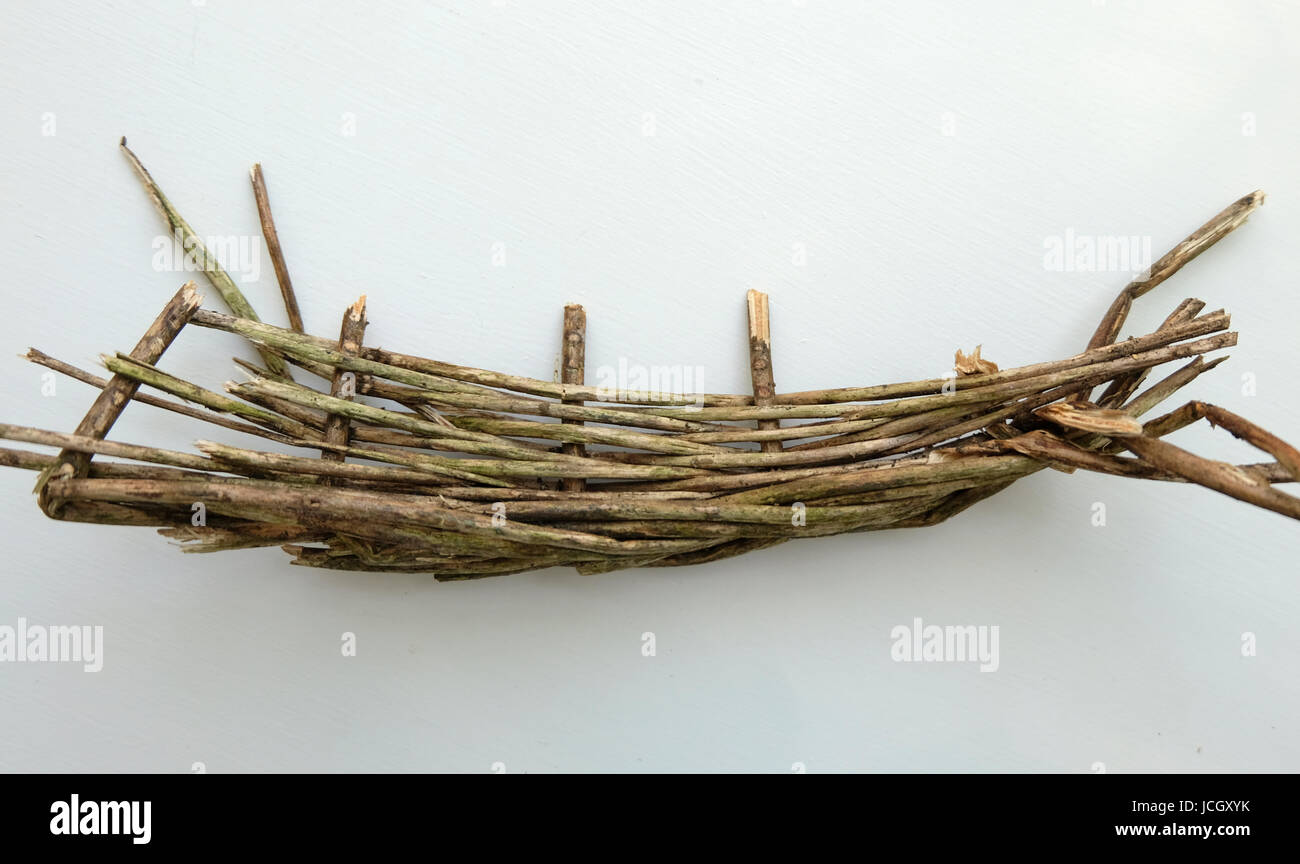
x=344, y=384
x=573, y=370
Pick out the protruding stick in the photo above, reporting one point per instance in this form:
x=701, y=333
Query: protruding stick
x=111, y=401
x=344, y=384
x=206, y=261
x=1219, y=476
x=1223, y=224
x=43, y=359
x=760, y=361
x=573, y=369
x=272, y=238
x=1240, y=427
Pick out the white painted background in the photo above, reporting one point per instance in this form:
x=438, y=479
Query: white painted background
x=774, y=123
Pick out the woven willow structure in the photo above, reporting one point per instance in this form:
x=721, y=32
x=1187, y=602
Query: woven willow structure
x=402, y=463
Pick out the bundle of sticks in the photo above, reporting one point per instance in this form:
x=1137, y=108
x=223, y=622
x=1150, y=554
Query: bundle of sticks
x=401, y=463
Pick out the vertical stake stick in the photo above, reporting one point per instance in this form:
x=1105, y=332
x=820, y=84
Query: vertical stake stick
x=338, y=428
x=760, y=361
x=573, y=370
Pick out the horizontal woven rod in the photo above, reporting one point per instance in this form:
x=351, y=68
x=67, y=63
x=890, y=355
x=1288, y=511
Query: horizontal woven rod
x=344, y=546
x=143, y=516
x=446, y=467
x=737, y=458
x=431, y=560
x=507, y=403
x=459, y=439
x=691, y=511
x=956, y=503
x=42, y=359
x=159, y=380
x=718, y=552
x=426, y=543
x=247, y=536
x=246, y=461
x=910, y=427
x=419, y=540
x=720, y=484
x=103, y=513
x=914, y=433
x=283, y=468
x=896, y=493
x=236, y=542
x=88, y=444
x=469, y=493
x=872, y=517
x=32, y=461
x=486, y=470
x=739, y=435
x=498, y=567
x=123, y=470
x=313, y=420
x=1124, y=360
x=984, y=467
x=672, y=444
x=290, y=503
x=167, y=519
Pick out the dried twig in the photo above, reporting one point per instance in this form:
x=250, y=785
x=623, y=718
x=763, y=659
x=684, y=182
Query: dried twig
x=272, y=238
